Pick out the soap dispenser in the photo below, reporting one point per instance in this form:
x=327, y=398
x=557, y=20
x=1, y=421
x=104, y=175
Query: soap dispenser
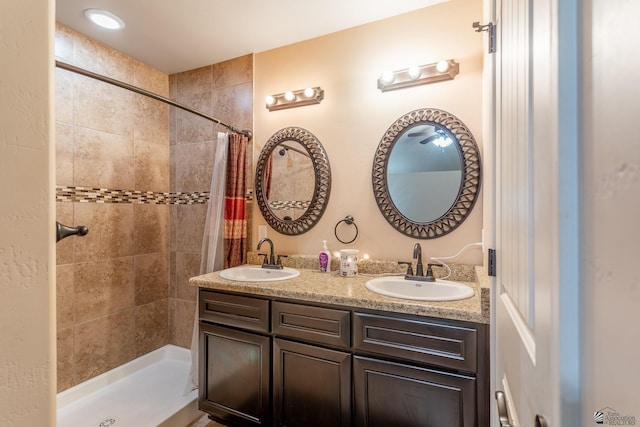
x=324, y=258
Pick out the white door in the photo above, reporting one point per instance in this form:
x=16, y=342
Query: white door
x=536, y=185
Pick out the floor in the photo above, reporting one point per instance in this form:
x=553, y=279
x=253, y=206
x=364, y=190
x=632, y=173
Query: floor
x=205, y=422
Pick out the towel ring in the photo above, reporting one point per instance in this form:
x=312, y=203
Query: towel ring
x=349, y=221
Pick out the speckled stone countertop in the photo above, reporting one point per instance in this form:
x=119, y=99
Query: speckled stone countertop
x=331, y=288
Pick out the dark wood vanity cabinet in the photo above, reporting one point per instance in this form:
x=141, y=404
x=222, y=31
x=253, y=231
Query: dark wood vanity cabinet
x=282, y=363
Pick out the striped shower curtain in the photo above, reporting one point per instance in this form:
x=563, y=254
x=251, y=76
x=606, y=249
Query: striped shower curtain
x=235, y=204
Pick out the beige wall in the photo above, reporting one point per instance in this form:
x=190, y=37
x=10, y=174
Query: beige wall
x=112, y=285
x=611, y=182
x=27, y=301
x=354, y=115
x=225, y=91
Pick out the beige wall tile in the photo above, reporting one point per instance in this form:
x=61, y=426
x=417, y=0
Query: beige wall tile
x=194, y=81
x=151, y=120
x=151, y=228
x=194, y=166
x=181, y=317
x=65, y=359
x=190, y=226
x=103, y=287
x=152, y=326
x=152, y=167
x=103, y=159
x=110, y=230
x=189, y=127
x=64, y=95
x=102, y=106
x=173, y=278
x=94, y=56
x=234, y=105
x=233, y=72
x=104, y=343
x=187, y=266
x=64, y=248
x=65, y=296
x=148, y=78
x=64, y=42
x=151, y=277
x=64, y=153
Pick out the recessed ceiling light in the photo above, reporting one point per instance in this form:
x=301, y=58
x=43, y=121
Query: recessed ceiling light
x=104, y=19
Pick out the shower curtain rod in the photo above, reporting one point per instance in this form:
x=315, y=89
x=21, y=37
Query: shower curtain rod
x=152, y=95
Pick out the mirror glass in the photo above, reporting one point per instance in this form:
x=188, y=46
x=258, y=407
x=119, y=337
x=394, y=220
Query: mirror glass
x=426, y=173
x=292, y=172
x=293, y=181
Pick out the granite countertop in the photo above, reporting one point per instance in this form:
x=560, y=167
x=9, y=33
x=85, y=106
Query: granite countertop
x=331, y=288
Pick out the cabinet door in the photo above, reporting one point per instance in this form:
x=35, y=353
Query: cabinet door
x=311, y=385
x=234, y=375
x=393, y=394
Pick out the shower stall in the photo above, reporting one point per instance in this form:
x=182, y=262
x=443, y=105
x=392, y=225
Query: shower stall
x=135, y=169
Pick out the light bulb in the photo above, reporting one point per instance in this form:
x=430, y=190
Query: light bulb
x=387, y=77
x=442, y=66
x=309, y=92
x=270, y=100
x=104, y=19
x=443, y=142
x=414, y=72
x=289, y=96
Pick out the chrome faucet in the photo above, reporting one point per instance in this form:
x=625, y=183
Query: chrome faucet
x=271, y=263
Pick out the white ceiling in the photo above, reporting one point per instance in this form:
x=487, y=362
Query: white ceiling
x=180, y=35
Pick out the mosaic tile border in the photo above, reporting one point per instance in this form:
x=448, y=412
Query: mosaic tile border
x=277, y=205
x=105, y=195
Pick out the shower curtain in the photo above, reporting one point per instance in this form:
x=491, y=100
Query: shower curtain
x=235, y=203
x=225, y=233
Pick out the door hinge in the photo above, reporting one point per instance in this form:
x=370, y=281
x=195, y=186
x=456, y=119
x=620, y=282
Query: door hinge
x=490, y=28
x=491, y=263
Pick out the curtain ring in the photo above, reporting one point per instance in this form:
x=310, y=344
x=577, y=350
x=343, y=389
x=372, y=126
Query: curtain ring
x=349, y=221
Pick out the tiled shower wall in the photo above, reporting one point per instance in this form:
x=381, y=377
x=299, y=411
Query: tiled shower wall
x=112, y=285
x=122, y=290
x=225, y=91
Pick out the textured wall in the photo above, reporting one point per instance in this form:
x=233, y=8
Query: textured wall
x=112, y=285
x=27, y=341
x=354, y=115
x=224, y=91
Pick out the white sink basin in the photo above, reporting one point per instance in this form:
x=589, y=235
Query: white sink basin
x=399, y=287
x=252, y=273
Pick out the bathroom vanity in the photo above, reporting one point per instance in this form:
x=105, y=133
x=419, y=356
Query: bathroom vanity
x=322, y=350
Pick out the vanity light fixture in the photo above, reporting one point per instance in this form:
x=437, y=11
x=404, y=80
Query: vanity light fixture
x=296, y=98
x=104, y=19
x=419, y=75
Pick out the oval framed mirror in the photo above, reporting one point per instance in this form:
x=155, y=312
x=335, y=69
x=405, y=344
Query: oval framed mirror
x=426, y=173
x=293, y=181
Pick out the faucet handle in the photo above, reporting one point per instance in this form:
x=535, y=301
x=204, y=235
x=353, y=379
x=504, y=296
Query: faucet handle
x=429, y=274
x=279, y=262
x=409, y=267
x=265, y=259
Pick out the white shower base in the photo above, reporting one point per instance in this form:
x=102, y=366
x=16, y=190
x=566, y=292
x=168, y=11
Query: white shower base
x=146, y=392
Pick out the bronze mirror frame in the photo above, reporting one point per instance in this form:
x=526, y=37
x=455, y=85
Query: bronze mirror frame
x=470, y=182
x=322, y=187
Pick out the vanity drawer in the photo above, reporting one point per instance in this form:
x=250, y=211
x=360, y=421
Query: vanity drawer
x=234, y=310
x=315, y=324
x=420, y=341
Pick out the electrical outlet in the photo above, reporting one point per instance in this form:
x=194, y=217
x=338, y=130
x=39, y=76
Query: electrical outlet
x=262, y=232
